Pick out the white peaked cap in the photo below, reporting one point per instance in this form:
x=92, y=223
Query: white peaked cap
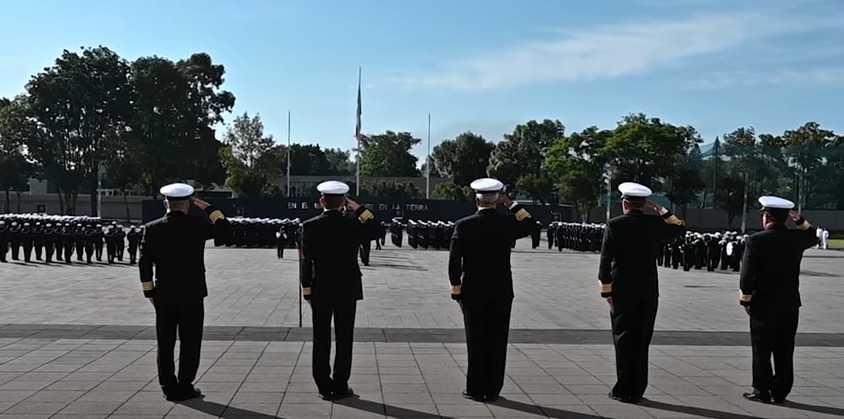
x=774, y=202
x=486, y=185
x=333, y=187
x=634, y=190
x=177, y=190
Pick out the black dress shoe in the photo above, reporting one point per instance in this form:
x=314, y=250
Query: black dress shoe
x=473, y=398
x=779, y=401
x=491, y=398
x=326, y=396
x=758, y=396
x=624, y=399
x=340, y=395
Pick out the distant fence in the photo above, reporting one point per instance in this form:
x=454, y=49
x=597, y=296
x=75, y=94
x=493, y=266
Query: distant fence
x=384, y=208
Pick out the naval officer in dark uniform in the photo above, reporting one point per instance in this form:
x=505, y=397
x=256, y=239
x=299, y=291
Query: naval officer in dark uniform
x=628, y=276
x=331, y=282
x=482, y=283
x=173, y=252
x=770, y=282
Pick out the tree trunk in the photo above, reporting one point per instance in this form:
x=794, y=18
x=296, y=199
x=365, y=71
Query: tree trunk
x=126, y=203
x=61, y=201
x=95, y=196
x=8, y=203
x=18, y=193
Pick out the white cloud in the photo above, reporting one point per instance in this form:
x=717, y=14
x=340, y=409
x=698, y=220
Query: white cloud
x=820, y=76
x=607, y=52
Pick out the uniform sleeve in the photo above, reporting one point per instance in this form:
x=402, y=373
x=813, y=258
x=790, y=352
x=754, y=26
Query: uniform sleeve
x=370, y=225
x=674, y=226
x=455, y=263
x=219, y=228
x=524, y=222
x=605, y=267
x=748, y=278
x=808, y=234
x=308, y=254
x=146, y=263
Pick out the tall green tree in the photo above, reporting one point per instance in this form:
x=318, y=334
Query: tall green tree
x=538, y=187
x=575, y=164
x=686, y=183
x=452, y=191
x=176, y=106
x=645, y=149
x=389, y=155
x=14, y=131
x=464, y=158
x=79, y=102
x=805, y=150
x=246, y=146
x=523, y=151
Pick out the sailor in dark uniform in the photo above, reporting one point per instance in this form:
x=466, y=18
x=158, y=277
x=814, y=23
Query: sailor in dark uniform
x=134, y=238
x=119, y=241
x=536, y=235
x=770, y=293
x=89, y=238
x=26, y=241
x=628, y=277
x=331, y=282
x=280, y=241
x=482, y=283
x=4, y=241
x=38, y=239
x=15, y=240
x=49, y=242
x=99, y=236
x=173, y=253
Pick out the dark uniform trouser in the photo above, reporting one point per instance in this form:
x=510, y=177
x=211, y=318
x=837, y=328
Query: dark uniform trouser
x=343, y=313
x=27, y=251
x=632, y=330
x=365, y=249
x=133, y=253
x=98, y=249
x=186, y=315
x=773, y=334
x=487, y=325
x=3, y=250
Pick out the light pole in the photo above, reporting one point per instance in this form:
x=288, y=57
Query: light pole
x=744, y=205
x=100, y=188
x=608, y=173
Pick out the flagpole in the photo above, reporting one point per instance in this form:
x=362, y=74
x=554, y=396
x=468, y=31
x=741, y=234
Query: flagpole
x=428, y=163
x=357, y=138
x=288, y=154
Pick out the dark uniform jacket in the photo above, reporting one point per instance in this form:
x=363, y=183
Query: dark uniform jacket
x=479, y=257
x=330, y=245
x=770, y=269
x=628, y=269
x=173, y=251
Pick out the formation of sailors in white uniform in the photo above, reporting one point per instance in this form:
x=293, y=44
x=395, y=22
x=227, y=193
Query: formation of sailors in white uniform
x=46, y=238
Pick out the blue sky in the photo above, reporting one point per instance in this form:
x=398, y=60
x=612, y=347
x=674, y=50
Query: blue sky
x=480, y=65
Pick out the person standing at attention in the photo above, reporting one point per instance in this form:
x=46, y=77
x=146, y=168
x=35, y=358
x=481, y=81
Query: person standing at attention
x=173, y=253
x=331, y=282
x=482, y=283
x=628, y=276
x=770, y=293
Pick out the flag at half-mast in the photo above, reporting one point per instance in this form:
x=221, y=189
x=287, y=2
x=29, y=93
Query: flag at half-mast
x=357, y=125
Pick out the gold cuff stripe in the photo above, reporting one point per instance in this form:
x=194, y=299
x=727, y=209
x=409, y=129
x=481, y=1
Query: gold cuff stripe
x=366, y=215
x=674, y=221
x=216, y=215
x=606, y=288
x=745, y=298
x=805, y=225
x=457, y=289
x=306, y=291
x=148, y=286
x=522, y=214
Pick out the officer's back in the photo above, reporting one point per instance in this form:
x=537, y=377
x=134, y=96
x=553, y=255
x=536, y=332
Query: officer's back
x=486, y=238
x=179, y=253
x=778, y=276
x=334, y=253
x=634, y=240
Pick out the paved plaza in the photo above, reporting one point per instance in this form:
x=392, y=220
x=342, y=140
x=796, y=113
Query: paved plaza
x=76, y=342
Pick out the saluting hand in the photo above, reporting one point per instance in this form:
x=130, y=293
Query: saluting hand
x=656, y=207
x=352, y=204
x=199, y=203
x=504, y=199
x=795, y=216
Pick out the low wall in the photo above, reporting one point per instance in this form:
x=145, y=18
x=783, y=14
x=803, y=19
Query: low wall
x=113, y=207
